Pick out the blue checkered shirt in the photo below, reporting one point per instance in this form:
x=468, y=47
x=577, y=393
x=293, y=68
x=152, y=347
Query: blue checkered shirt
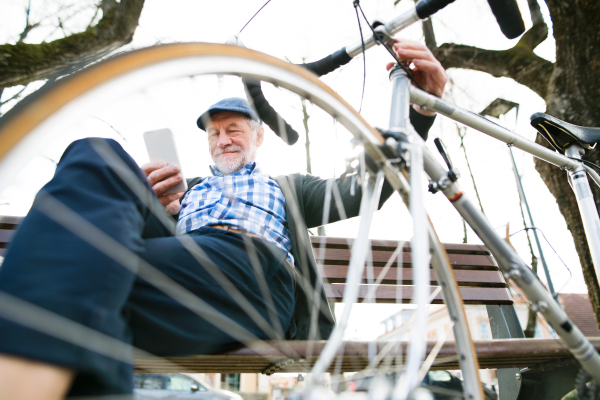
x=247, y=200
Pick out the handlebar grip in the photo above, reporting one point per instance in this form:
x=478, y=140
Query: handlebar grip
x=426, y=8
x=508, y=16
x=329, y=63
x=268, y=113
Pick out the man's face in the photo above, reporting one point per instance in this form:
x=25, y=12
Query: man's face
x=231, y=142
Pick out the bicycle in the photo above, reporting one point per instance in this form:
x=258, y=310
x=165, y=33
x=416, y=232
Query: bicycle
x=157, y=64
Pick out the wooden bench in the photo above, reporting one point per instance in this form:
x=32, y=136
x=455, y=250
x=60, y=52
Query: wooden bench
x=479, y=280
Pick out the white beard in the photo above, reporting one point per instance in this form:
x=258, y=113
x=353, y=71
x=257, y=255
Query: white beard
x=233, y=162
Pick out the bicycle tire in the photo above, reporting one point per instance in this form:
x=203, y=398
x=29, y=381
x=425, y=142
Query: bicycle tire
x=21, y=129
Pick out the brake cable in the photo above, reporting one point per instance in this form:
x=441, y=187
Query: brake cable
x=250, y=20
x=362, y=42
x=378, y=38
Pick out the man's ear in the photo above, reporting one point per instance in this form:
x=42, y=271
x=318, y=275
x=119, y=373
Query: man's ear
x=260, y=135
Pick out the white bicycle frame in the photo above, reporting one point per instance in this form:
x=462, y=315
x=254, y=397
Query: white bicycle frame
x=510, y=263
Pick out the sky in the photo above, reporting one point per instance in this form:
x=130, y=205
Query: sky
x=308, y=30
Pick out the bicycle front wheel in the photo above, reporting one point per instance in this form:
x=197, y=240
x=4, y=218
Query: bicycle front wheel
x=23, y=130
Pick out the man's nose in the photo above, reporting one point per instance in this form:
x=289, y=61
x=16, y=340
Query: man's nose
x=224, y=140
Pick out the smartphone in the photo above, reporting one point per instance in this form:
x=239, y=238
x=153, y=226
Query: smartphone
x=161, y=147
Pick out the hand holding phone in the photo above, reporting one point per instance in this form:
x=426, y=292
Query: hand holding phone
x=161, y=148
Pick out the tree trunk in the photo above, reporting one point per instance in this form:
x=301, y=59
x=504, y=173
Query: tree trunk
x=574, y=95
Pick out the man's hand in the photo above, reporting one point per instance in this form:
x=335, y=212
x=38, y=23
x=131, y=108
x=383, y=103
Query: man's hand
x=427, y=70
x=162, y=177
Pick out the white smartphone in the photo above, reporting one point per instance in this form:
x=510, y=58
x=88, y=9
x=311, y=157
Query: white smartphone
x=161, y=147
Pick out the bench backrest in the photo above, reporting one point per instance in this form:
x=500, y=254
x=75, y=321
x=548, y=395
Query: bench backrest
x=475, y=270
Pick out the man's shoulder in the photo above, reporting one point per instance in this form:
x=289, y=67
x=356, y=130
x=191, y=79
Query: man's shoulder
x=193, y=181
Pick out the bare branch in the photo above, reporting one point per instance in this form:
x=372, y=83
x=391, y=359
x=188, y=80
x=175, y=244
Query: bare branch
x=519, y=63
x=22, y=63
x=28, y=25
x=429, y=34
x=93, y=17
x=536, y=13
x=14, y=97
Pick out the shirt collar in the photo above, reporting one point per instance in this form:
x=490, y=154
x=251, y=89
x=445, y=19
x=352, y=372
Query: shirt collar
x=252, y=168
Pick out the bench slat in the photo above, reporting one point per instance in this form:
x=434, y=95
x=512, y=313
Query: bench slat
x=389, y=294
x=9, y=222
x=380, y=258
x=5, y=237
x=337, y=274
x=510, y=353
x=390, y=245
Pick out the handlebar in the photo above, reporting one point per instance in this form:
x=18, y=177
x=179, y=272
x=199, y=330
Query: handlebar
x=508, y=16
x=329, y=63
x=268, y=114
x=506, y=12
x=427, y=8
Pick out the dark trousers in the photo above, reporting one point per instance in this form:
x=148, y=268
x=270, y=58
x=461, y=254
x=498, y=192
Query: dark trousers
x=49, y=266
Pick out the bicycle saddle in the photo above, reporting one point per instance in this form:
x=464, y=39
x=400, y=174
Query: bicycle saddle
x=561, y=134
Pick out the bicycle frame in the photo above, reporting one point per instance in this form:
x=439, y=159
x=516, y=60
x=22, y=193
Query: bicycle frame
x=576, y=169
x=511, y=264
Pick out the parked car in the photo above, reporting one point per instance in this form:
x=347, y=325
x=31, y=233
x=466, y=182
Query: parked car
x=177, y=386
x=442, y=384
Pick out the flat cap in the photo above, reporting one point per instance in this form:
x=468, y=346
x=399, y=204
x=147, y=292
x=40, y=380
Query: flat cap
x=235, y=104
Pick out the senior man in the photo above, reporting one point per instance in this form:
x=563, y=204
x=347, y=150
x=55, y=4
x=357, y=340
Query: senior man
x=238, y=208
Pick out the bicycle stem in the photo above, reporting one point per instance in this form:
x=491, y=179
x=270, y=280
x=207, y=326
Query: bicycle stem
x=391, y=28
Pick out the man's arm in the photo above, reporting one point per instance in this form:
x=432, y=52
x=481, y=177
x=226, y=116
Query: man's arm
x=431, y=76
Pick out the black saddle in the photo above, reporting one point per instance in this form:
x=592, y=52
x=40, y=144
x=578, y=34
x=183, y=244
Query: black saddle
x=561, y=134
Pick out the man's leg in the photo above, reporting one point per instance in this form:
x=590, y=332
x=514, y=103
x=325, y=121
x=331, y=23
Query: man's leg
x=166, y=327
x=48, y=266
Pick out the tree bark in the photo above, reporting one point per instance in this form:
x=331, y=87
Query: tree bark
x=22, y=63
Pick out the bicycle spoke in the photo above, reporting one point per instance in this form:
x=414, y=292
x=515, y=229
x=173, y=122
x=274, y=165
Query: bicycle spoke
x=373, y=287
x=369, y=204
x=431, y=357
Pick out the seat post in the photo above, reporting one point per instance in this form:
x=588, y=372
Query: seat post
x=587, y=206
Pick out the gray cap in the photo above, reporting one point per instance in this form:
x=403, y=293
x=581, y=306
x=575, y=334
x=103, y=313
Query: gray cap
x=235, y=104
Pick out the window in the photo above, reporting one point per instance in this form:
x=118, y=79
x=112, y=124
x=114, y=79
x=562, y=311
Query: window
x=179, y=382
x=147, y=381
x=230, y=382
x=538, y=332
x=485, y=333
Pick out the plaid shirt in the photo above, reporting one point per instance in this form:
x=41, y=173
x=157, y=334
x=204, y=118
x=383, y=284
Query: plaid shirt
x=247, y=200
